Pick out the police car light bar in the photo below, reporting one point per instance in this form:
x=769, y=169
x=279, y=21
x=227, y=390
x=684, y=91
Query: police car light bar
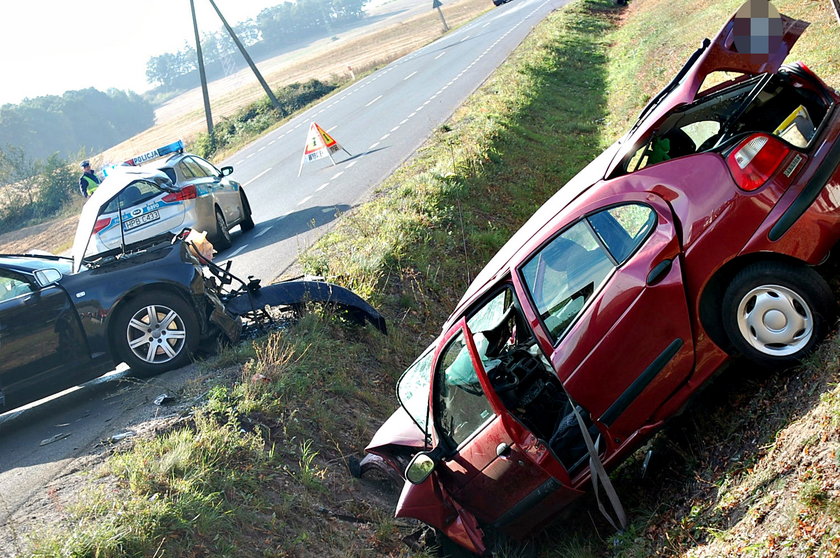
x=175, y=147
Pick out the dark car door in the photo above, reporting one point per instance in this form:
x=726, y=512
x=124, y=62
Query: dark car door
x=40, y=339
x=609, y=295
x=492, y=466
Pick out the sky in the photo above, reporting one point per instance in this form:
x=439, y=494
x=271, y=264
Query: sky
x=52, y=46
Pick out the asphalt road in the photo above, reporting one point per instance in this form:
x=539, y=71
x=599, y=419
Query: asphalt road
x=381, y=120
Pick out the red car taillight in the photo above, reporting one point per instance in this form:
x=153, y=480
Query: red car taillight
x=184, y=194
x=101, y=224
x=755, y=160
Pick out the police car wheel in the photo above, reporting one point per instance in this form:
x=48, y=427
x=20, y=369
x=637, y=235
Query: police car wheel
x=221, y=239
x=248, y=221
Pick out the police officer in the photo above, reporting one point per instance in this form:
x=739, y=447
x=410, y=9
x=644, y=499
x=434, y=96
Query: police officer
x=88, y=181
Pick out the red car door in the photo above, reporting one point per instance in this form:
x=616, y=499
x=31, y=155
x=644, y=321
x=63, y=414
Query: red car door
x=492, y=464
x=610, y=304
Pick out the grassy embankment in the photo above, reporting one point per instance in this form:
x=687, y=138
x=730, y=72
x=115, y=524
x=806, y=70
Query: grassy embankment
x=260, y=470
x=750, y=469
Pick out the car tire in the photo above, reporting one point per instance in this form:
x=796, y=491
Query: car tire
x=248, y=222
x=221, y=239
x=162, y=346
x=775, y=313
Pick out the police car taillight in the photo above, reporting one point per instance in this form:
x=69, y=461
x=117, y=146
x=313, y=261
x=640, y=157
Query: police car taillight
x=184, y=194
x=755, y=160
x=101, y=224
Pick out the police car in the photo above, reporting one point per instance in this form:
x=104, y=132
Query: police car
x=184, y=191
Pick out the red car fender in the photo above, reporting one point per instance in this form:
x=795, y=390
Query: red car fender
x=430, y=503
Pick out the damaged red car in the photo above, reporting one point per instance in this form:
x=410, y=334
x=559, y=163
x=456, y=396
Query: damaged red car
x=690, y=240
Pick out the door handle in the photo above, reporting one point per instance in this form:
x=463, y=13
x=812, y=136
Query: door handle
x=502, y=450
x=659, y=271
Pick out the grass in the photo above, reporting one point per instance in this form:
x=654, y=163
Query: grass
x=260, y=469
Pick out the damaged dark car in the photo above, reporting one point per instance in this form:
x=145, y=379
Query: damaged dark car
x=64, y=321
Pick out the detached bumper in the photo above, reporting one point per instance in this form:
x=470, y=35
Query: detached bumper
x=297, y=293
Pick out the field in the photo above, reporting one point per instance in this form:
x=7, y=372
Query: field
x=363, y=49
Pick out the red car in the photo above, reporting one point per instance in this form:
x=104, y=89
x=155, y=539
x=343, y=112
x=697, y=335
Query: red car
x=690, y=240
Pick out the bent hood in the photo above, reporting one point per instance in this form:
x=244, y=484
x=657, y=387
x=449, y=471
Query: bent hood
x=110, y=188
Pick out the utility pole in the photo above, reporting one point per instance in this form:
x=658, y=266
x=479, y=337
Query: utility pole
x=436, y=5
x=247, y=57
x=203, y=76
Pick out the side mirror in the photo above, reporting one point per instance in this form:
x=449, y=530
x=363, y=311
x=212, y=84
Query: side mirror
x=227, y=170
x=419, y=468
x=46, y=277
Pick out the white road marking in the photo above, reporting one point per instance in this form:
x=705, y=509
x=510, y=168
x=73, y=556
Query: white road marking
x=373, y=101
x=261, y=148
x=250, y=155
x=439, y=55
x=263, y=231
x=240, y=161
x=409, y=75
x=383, y=138
x=304, y=200
x=232, y=254
x=404, y=121
x=337, y=175
x=258, y=176
x=394, y=129
x=373, y=145
x=322, y=186
x=352, y=164
x=271, y=142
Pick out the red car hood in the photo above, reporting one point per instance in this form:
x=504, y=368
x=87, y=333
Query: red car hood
x=398, y=430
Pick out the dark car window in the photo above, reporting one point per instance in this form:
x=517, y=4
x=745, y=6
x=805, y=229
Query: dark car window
x=12, y=285
x=184, y=170
x=564, y=275
x=623, y=228
x=135, y=193
x=197, y=170
x=170, y=172
x=207, y=168
x=462, y=407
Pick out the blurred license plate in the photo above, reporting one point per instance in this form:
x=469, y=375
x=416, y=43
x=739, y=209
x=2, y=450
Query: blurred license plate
x=142, y=220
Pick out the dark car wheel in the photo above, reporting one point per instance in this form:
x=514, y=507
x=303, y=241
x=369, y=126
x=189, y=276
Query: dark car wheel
x=248, y=222
x=775, y=314
x=221, y=239
x=155, y=332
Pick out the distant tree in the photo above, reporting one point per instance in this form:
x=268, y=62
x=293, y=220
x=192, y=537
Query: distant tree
x=83, y=118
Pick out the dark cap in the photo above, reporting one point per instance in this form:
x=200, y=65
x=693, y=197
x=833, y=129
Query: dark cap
x=85, y=164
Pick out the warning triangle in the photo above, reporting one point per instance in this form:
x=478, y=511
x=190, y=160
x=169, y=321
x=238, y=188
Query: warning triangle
x=319, y=144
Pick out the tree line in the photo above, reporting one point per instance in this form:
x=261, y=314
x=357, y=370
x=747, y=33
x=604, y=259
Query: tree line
x=86, y=118
x=274, y=28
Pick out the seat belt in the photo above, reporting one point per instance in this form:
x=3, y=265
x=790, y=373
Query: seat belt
x=597, y=472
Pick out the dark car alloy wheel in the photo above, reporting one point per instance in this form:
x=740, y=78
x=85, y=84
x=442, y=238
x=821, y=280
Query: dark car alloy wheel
x=775, y=313
x=221, y=240
x=156, y=332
